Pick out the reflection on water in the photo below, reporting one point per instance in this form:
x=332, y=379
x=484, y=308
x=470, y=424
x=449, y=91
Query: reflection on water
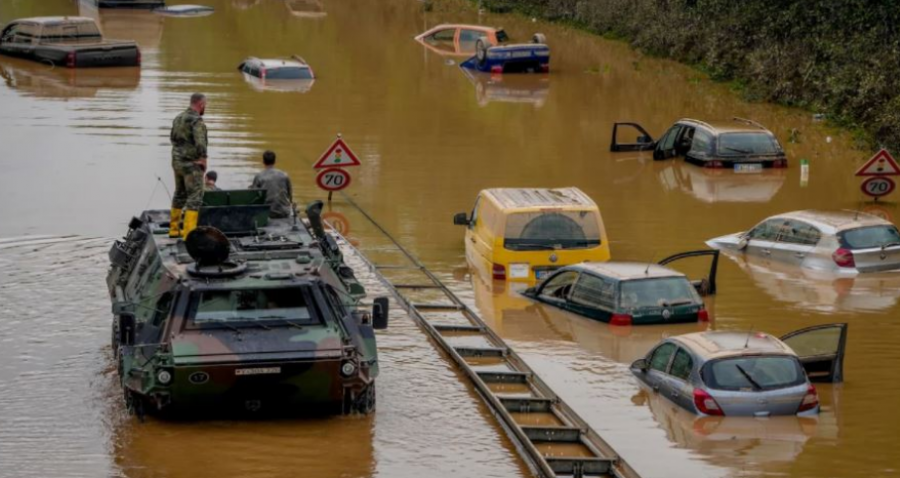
x=508, y=88
x=30, y=78
x=720, y=185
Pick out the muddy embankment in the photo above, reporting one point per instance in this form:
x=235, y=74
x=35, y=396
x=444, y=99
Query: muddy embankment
x=837, y=57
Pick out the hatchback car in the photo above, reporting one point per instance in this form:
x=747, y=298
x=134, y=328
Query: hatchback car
x=627, y=293
x=458, y=39
x=844, y=242
x=745, y=373
x=740, y=144
x=294, y=68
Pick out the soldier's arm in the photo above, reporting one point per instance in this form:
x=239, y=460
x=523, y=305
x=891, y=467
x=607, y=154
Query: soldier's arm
x=200, y=138
x=290, y=190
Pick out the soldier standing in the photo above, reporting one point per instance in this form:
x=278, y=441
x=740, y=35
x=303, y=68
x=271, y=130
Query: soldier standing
x=188, y=138
x=279, y=193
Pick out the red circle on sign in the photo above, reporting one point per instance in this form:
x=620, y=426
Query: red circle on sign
x=877, y=186
x=338, y=221
x=333, y=179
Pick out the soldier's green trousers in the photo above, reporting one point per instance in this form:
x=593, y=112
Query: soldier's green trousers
x=188, y=185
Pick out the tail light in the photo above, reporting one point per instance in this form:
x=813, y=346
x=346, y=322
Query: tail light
x=706, y=404
x=262, y=73
x=139, y=57
x=498, y=272
x=844, y=258
x=714, y=164
x=703, y=315
x=70, y=59
x=779, y=163
x=620, y=319
x=497, y=69
x=545, y=67
x=810, y=400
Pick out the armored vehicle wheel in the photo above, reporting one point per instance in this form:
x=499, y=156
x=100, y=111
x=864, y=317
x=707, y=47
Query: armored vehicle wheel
x=364, y=403
x=481, y=51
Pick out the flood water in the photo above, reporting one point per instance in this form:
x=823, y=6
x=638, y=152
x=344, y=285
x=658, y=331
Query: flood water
x=80, y=153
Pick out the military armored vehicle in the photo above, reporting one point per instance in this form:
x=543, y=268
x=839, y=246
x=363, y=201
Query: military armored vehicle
x=248, y=314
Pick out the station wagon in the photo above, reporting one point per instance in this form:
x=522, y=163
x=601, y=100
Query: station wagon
x=627, y=293
x=844, y=242
x=745, y=373
x=740, y=144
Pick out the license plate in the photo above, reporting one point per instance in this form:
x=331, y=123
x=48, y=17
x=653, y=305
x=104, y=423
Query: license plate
x=747, y=167
x=521, y=54
x=541, y=274
x=257, y=371
x=518, y=271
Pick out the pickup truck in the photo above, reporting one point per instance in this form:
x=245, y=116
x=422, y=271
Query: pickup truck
x=66, y=41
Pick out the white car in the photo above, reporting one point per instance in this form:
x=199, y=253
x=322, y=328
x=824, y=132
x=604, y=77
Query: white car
x=844, y=242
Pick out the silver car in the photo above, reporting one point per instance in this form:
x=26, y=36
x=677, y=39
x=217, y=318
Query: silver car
x=844, y=242
x=745, y=373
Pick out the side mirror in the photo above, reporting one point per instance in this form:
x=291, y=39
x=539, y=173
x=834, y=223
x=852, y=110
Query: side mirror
x=380, y=313
x=460, y=219
x=126, y=328
x=641, y=364
x=644, y=139
x=743, y=241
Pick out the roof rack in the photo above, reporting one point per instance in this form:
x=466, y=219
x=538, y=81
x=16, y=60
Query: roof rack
x=704, y=123
x=748, y=121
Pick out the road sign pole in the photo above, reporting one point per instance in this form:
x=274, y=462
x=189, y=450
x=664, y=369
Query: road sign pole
x=332, y=192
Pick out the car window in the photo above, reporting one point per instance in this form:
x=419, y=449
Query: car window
x=799, y=232
x=768, y=230
x=659, y=292
x=668, y=140
x=871, y=236
x=559, y=286
x=545, y=230
x=444, y=35
x=470, y=36
x=758, y=372
x=501, y=36
x=682, y=364
x=595, y=291
x=289, y=73
x=703, y=142
x=245, y=306
x=662, y=354
x=747, y=143
x=824, y=341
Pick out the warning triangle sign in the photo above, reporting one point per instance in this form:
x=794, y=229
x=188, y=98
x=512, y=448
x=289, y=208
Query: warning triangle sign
x=336, y=156
x=882, y=164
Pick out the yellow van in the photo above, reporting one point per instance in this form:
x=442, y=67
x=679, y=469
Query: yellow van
x=522, y=234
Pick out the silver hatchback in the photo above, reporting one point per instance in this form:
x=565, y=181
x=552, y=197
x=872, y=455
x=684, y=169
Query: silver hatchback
x=843, y=242
x=745, y=373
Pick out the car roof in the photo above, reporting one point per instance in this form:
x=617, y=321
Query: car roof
x=627, y=270
x=57, y=19
x=722, y=344
x=734, y=125
x=834, y=221
x=278, y=62
x=445, y=26
x=523, y=198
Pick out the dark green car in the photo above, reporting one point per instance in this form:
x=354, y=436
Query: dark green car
x=627, y=293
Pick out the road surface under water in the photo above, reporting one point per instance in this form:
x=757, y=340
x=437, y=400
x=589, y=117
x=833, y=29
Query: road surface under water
x=80, y=153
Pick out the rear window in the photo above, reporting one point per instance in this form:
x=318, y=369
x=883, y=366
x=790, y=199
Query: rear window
x=662, y=292
x=747, y=143
x=866, y=237
x=70, y=32
x=552, y=230
x=246, y=307
x=288, y=73
x=754, y=373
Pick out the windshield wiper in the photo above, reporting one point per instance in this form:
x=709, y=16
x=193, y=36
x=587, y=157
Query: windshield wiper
x=736, y=150
x=890, y=244
x=755, y=384
x=536, y=245
x=677, y=302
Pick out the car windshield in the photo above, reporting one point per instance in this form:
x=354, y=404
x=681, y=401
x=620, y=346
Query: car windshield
x=552, y=230
x=288, y=73
x=754, y=373
x=872, y=236
x=661, y=292
x=747, y=143
x=246, y=307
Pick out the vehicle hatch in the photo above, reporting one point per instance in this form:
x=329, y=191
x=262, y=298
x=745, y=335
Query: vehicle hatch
x=547, y=230
x=756, y=384
x=874, y=248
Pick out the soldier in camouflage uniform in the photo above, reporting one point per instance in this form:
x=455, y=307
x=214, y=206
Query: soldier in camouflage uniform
x=188, y=138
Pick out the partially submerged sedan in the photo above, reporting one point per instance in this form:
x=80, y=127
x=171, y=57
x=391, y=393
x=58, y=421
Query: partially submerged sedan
x=628, y=293
x=745, y=373
x=843, y=242
x=459, y=39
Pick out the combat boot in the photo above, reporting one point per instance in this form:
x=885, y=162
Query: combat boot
x=190, y=222
x=175, y=223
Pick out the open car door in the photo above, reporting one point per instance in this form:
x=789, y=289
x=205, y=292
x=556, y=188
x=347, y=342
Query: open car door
x=821, y=351
x=643, y=141
x=705, y=285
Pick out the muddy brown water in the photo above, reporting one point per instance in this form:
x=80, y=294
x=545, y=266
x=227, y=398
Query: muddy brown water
x=80, y=153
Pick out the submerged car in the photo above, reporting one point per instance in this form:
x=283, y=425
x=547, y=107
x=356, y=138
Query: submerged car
x=185, y=11
x=740, y=144
x=458, y=39
x=130, y=4
x=524, y=234
x=628, y=293
x=745, y=373
x=843, y=242
x=294, y=68
x=246, y=315
x=531, y=57
x=73, y=42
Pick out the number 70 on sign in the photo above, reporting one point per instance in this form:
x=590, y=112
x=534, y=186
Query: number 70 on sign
x=333, y=179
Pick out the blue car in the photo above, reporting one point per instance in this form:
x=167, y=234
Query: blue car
x=531, y=57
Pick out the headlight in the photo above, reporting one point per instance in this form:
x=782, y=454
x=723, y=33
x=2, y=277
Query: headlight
x=164, y=377
x=348, y=369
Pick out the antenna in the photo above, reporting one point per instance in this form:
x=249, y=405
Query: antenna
x=747, y=342
x=647, y=270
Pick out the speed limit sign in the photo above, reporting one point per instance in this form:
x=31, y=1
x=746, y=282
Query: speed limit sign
x=333, y=179
x=877, y=186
